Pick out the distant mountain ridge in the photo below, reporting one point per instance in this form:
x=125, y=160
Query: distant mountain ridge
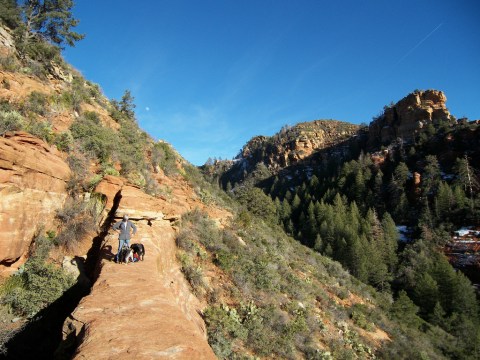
x=312, y=142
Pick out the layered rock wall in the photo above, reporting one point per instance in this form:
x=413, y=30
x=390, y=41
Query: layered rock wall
x=33, y=177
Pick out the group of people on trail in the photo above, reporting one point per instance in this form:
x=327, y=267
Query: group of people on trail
x=124, y=228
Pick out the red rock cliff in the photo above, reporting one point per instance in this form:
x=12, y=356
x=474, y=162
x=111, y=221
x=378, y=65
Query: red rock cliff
x=33, y=178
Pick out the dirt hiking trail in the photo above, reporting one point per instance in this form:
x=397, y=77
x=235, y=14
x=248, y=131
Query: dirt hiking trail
x=143, y=310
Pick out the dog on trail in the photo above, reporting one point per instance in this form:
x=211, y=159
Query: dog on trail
x=126, y=255
x=138, y=249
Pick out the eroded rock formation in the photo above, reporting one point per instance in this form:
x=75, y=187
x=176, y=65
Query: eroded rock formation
x=294, y=144
x=411, y=114
x=33, y=177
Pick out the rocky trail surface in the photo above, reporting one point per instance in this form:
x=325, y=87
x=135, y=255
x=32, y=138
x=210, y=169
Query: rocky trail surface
x=143, y=310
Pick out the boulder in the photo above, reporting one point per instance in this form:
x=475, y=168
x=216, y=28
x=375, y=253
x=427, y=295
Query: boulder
x=134, y=202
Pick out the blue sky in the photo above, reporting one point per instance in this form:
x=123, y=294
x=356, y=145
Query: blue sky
x=208, y=75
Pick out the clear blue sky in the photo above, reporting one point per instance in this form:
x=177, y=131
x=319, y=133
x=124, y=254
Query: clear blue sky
x=208, y=75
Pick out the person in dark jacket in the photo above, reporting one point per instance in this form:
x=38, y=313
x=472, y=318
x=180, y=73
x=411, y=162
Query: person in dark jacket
x=123, y=227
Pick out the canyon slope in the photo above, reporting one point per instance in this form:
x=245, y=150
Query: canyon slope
x=147, y=309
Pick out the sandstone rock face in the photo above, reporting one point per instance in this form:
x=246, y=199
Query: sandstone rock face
x=6, y=41
x=20, y=86
x=408, y=116
x=33, y=177
x=292, y=145
x=132, y=201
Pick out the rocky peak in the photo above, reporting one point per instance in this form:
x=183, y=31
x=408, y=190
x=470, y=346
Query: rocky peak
x=408, y=116
x=293, y=144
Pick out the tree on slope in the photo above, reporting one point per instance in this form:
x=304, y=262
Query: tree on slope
x=50, y=19
x=9, y=13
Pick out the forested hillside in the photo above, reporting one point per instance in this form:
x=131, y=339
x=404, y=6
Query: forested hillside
x=384, y=203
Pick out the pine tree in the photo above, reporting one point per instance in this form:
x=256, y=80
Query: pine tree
x=390, y=239
x=405, y=310
x=378, y=273
x=401, y=209
x=286, y=210
x=396, y=191
x=425, y=294
x=467, y=179
x=296, y=209
x=127, y=105
x=431, y=175
x=401, y=173
x=466, y=176
x=319, y=246
x=357, y=258
x=437, y=316
x=444, y=202
x=378, y=197
x=359, y=188
x=10, y=13
x=51, y=19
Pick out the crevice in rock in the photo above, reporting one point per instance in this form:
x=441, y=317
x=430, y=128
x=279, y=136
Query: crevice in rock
x=8, y=263
x=98, y=249
x=49, y=335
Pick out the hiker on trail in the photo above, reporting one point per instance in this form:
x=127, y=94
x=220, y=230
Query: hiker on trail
x=124, y=236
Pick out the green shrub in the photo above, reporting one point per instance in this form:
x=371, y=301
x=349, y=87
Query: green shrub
x=38, y=284
x=94, y=181
x=10, y=284
x=42, y=130
x=95, y=139
x=164, y=157
x=64, y=141
x=257, y=203
x=77, y=219
x=9, y=63
x=35, y=68
x=185, y=241
x=359, y=317
x=108, y=169
x=94, y=91
x=194, y=275
x=68, y=99
x=10, y=121
x=36, y=103
x=225, y=260
x=224, y=326
x=41, y=51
